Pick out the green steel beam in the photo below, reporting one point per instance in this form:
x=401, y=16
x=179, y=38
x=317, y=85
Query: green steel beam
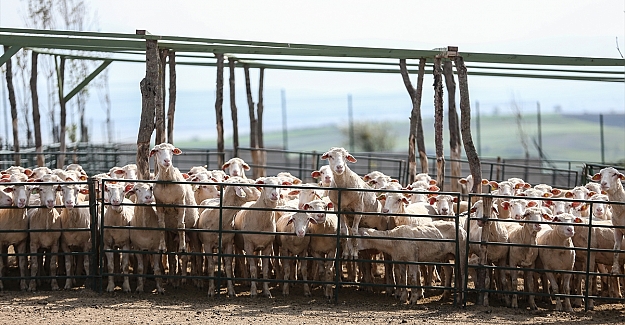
x=10, y=52
x=87, y=80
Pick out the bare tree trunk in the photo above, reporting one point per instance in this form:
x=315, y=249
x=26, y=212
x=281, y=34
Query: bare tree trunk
x=36, y=116
x=63, y=113
x=438, y=124
x=149, y=88
x=455, y=148
x=482, y=277
x=233, y=109
x=416, y=128
x=253, y=121
x=259, y=127
x=465, y=126
x=159, y=108
x=219, y=101
x=172, y=97
x=13, y=103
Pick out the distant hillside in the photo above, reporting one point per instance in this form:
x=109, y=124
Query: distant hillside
x=564, y=137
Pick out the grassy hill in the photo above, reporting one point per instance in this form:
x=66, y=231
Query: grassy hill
x=564, y=137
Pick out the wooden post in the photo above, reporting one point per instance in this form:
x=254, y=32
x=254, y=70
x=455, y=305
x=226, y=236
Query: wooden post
x=233, y=109
x=482, y=276
x=13, y=103
x=60, y=163
x=149, y=87
x=455, y=148
x=159, y=108
x=219, y=101
x=36, y=115
x=262, y=155
x=438, y=123
x=253, y=122
x=416, y=127
x=465, y=126
x=172, y=97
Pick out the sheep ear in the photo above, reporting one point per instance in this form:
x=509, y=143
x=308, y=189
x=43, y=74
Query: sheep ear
x=306, y=206
x=28, y=172
x=405, y=200
x=225, y=166
x=434, y=188
x=176, y=151
x=505, y=205
x=381, y=197
x=152, y=152
x=591, y=193
x=330, y=205
x=462, y=181
x=290, y=220
x=351, y=158
x=129, y=188
x=547, y=217
x=366, y=178
x=578, y=220
x=532, y=204
x=484, y=181
x=312, y=220
x=596, y=177
x=493, y=185
x=315, y=174
x=84, y=191
x=186, y=176
x=432, y=200
x=433, y=182
x=455, y=199
x=246, y=166
x=7, y=190
x=294, y=192
x=325, y=156
x=285, y=183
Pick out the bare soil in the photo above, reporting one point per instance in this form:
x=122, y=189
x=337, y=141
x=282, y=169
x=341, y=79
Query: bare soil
x=188, y=304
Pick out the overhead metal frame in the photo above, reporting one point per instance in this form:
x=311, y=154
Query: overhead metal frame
x=304, y=57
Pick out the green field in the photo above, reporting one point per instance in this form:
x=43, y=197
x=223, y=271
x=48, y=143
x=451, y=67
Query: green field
x=567, y=138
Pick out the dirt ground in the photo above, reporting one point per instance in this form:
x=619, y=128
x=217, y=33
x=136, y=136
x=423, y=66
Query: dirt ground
x=188, y=304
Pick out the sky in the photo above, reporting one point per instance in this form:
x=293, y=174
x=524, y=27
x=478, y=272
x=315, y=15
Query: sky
x=567, y=28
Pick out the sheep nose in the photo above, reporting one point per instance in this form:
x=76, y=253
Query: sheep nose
x=384, y=210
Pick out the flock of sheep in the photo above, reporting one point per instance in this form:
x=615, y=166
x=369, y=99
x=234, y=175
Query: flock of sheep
x=274, y=224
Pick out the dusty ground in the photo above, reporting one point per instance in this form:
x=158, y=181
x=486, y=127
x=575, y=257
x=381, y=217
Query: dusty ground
x=190, y=305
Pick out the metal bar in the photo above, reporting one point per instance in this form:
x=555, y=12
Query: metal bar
x=87, y=80
x=9, y=54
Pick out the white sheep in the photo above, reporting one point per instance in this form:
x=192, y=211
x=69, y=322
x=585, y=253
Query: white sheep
x=79, y=220
x=402, y=212
x=45, y=217
x=235, y=196
x=525, y=257
x=144, y=215
x=294, y=223
x=420, y=187
x=324, y=174
x=175, y=207
x=558, y=259
x=259, y=221
x=117, y=215
x=236, y=167
x=323, y=247
x=600, y=209
x=15, y=219
x=610, y=180
x=128, y=171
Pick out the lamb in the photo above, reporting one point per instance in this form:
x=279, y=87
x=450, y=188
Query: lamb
x=74, y=218
x=601, y=210
x=324, y=174
x=397, y=206
x=236, y=167
x=290, y=245
x=580, y=193
x=351, y=201
x=378, y=180
x=524, y=257
x=323, y=246
x=180, y=211
x=443, y=204
x=558, y=259
x=234, y=197
x=144, y=215
x=15, y=219
x=45, y=217
x=421, y=186
x=610, y=179
x=504, y=188
x=117, y=215
x=128, y=171
x=259, y=221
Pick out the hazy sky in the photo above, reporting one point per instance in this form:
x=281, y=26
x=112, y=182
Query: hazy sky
x=569, y=28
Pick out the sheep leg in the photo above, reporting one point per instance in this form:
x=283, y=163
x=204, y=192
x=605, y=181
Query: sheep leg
x=140, y=270
x=403, y=282
x=34, y=266
x=22, y=260
x=181, y=234
x=529, y=283
x=110, y=263
x=447, y=272
x=228, y=267
x=172, y=259
x=414, y=272
x=54, y=250
x=265, y=261
x=68, y=265
x=328, y=266
x=125, y=268
x=248, y=251
x=2, y=273
x=286, y=269
x=618, y=236
x=156, y=260
x=566, y=288
x=554, y=289
x=397, y=273
x=304, y=270
x=162, y=247
x=592, y=288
